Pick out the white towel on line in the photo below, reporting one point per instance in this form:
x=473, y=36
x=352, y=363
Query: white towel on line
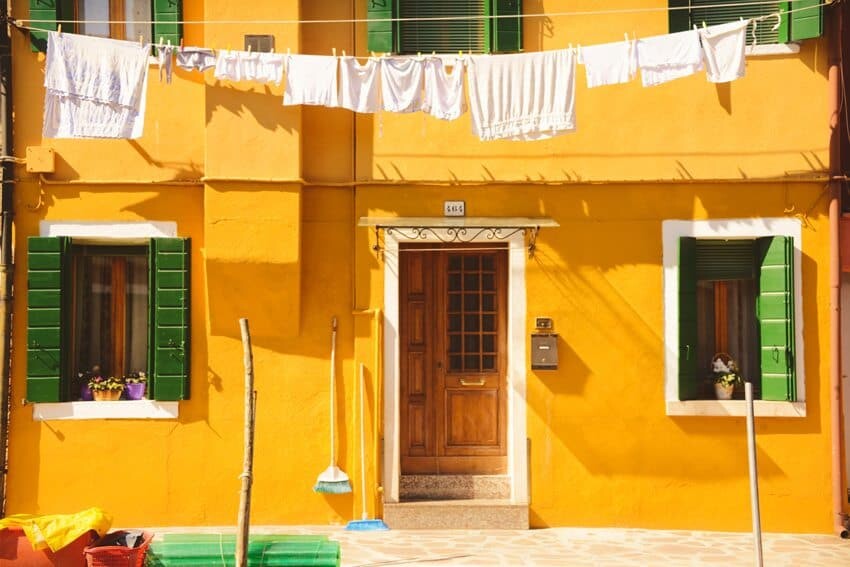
x=443, y=90
x=95, y=87
x=724, y=47
x=663, y=58
x=523, y=96
x=402, y=81
x=311, y=79
x=609, y=63
x=359, y=85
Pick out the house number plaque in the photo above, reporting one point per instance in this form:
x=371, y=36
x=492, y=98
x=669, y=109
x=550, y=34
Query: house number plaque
x=454, y=208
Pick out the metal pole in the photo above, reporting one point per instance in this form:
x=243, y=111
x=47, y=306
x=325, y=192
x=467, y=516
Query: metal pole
x=754, y=478
x=6, y=265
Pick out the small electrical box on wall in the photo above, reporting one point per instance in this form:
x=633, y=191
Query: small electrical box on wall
x=544, y=345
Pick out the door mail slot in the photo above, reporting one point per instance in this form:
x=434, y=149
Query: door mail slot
x=544, y=351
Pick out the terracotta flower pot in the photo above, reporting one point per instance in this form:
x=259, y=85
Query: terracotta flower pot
x=106, y=395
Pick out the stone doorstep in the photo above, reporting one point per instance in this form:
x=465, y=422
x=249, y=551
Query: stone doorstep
x=454, y=487
x=480, y=514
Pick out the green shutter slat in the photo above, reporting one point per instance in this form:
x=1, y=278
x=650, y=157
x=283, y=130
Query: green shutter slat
x=46, y=271
x=678, y=19
x=807, y=23
x=776, y=318
x=443, y=36
x=723, y=260
x=380, y=33
x=169, y=318
x=42, y=10
x=710, y=13
x=166, y=15
x=688, y=383
x=507, y=32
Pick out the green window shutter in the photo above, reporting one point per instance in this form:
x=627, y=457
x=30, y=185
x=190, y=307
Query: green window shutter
x=468, y=33
x=42, y=10
x=381, y=36
x=46, y=345
x=507, y=32
x=169, y=318
x=806, y=24
x=678, y=19
x=167, y=14
x=776, y=318
x=688, y=383
x=723, y=260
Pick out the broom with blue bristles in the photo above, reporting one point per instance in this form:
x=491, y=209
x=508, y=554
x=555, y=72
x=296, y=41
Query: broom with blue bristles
x=333, y=480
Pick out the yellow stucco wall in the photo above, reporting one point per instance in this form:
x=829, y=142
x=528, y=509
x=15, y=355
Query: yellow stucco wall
x=289, y=256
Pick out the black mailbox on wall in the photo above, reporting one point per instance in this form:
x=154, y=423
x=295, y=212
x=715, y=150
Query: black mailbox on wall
x=544, y=351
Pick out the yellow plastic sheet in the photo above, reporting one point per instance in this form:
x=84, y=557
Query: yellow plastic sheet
x=58, y=530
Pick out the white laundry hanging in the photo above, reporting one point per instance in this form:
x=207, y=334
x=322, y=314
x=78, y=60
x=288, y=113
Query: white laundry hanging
x=609, y=63
x=402, y=82
x=311, y=79
x=249, y=66
x=94, y=87
x=664, y=58
x=523, y=96
x=724, y=47
x=443, y=90
x=359, y=85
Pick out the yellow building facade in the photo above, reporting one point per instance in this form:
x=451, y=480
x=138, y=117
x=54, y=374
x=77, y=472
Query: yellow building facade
x=274, y=200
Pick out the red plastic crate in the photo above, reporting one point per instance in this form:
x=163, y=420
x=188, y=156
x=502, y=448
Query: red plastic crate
x=117, y=555
x=16, y=551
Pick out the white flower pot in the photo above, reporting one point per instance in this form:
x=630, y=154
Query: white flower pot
x=724, y=392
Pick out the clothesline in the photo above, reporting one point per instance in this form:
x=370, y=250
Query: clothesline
x=21, y=22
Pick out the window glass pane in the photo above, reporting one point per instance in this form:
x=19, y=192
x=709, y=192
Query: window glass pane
x=110, y=310
x=488, y=263
x=489, y=302
x=454, y=343
x=470, y=282
x=489, y=362
x=454, y=322
x=470, y=323
x=470, y=302
x=454, y=282
x=455, y=362
x=471, y=362
x=489, y=343
x=94, y=11
x=138, y=11
x=472, y=344
x=470, y=262
x=136, y=334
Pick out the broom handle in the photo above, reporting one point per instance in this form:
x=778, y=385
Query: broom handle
x=333, y=383
x=363, y=439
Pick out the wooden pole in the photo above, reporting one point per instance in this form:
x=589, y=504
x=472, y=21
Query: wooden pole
x=248, y=457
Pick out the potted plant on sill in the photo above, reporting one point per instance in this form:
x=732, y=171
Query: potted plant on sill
x=106, y=389
x=726, y=375
x=136, y=383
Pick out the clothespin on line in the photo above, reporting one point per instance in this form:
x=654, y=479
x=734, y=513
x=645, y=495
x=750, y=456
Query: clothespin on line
x=161, y=41
x=181, y=44
x=141, y=40
x=333, y=51
x=343, y=53
x=249, y=48
x=59, y=29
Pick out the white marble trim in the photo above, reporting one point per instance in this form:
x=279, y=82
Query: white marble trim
x=129, y=409
x=516, y=377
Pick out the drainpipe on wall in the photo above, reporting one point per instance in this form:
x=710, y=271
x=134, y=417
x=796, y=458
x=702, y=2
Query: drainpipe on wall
x=836, y=172
x=6, y=266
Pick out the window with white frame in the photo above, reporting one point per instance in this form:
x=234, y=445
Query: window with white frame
x=731, y=289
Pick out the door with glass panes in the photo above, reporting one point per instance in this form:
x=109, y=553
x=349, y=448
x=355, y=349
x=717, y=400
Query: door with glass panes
x=453, y=327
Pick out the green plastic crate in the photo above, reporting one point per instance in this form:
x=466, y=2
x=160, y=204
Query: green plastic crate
x=213, y=550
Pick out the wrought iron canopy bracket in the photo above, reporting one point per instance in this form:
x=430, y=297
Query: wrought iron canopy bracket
x=465, y=230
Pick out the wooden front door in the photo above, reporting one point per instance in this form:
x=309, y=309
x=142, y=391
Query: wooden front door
x=453, y=355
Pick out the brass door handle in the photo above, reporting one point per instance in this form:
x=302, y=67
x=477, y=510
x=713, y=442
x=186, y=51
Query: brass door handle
x=479, y=382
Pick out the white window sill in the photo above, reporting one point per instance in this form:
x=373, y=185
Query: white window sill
x=736, y=408
x=141, y=409
x=773, y=49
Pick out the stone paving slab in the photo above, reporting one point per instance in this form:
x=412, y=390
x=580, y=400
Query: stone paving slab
x=563, y=547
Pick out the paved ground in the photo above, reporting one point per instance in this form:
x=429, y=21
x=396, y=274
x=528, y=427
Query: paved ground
x=566, y=547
